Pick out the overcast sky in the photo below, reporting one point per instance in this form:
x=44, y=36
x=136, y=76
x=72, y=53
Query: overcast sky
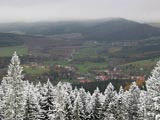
x=53, y=10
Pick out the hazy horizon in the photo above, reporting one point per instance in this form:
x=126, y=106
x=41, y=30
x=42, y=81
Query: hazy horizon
x=62, y=10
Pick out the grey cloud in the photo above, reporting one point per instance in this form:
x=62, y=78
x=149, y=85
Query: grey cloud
x=36, y=10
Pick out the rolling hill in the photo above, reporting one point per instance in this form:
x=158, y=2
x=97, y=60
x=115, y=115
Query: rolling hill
x=155, y=24
x=121, y=29
x=9, y=39
x=47, y=28
x=98, y=30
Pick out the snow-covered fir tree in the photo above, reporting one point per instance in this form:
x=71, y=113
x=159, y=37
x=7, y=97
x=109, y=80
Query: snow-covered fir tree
x=143, y=105
x=83, y=96
x=47, y=103
x=153, y=88
x=110, y=95
x=96, y=112
x=15, y=92
x=1, y=101
x=63, y=90
x=118, y=106
x=38, y=91
x=133, y=102
x=68, y=108
x=32, y=108
x=78, y=111
x=89, y=106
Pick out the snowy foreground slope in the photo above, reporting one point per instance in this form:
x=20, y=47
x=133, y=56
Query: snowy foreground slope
x=21, y=100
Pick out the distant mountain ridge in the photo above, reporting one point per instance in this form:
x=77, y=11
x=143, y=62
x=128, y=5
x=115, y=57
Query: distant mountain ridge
x=121, y=29
x=101, y=30
x=155, y=24
x=9, y=39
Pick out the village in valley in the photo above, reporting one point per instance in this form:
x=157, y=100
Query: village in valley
x=110, y=75
x=65, y=72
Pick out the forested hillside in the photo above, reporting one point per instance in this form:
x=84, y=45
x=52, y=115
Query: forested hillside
x=21, y=100
x=116, y=29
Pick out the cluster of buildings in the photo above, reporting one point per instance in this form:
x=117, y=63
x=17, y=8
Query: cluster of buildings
x=110, y=75
x=69, y=68
x=114, y=74
x=34, y=65
x=124, y=44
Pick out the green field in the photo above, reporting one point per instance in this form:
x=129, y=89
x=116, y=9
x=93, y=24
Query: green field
x=82, y=67
x=35, y=70
x=85, y=67
x=114, y=49
x=143, y=67
x=149, y=62
x=60, y=62
x=8, y=51
x=88, y=52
